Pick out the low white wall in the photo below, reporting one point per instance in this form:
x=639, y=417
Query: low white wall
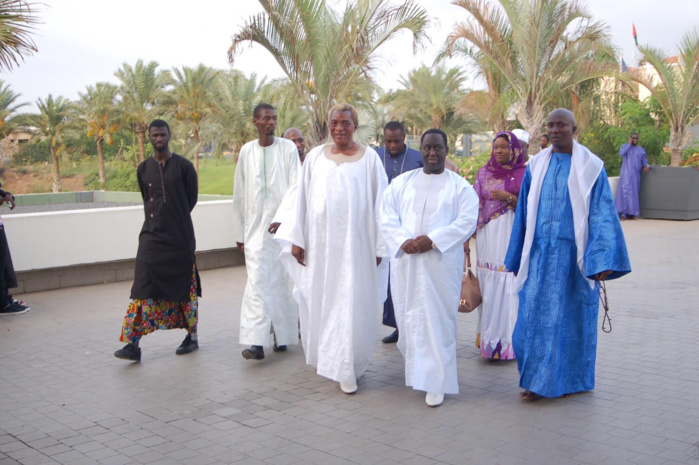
x=76, y=237
x=66, y=238
x=613, y=183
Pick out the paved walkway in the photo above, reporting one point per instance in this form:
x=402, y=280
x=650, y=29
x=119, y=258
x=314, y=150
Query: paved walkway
x=65, y=399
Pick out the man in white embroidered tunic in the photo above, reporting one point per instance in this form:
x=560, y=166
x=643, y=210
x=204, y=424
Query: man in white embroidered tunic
x=264, y=191
x=428, y=214
x=333, y=251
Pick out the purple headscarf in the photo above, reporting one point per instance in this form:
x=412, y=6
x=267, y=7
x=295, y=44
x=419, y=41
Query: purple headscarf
x=496, y=176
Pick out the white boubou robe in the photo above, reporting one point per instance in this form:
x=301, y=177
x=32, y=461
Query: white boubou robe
x=340, y=290
x=264, y=193
x=426, y=286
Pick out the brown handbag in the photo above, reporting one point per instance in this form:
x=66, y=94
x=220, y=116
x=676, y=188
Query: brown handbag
x=470, y=289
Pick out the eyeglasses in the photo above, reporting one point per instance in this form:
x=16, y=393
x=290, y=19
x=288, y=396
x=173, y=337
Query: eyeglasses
x=299, y=140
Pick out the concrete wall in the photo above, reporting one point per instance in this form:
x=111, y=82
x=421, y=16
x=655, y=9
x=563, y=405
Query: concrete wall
x=613, y=183
x=67, y=238
x=53, y=250
x=94, y=196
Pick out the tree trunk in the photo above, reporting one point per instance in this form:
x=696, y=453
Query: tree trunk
x=195, y=136
x=499, y=125
x=133, y=146
x=680, y=138
x=532, y=117
x=56, y=185
x=318, y=132
x=141, y=134
x=436, y=122
x=100, y=157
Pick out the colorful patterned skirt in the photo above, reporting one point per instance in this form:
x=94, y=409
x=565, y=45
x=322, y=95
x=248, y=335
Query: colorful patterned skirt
x=146, y=315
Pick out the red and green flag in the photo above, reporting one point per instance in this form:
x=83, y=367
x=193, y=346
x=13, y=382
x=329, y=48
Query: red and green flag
x=635, y=36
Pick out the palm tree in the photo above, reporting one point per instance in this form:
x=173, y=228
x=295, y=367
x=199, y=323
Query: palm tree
x=326, y=54
x=235, y=99
x=17, y=22
x=378, y=115
x=280, y=94
x=52, y=122
x=430, y=98
x=543, y=48
x=194, y=100
x=141, y=92
x=491, y=105
x=8, y=105
x=97, y=108
x=676, y=88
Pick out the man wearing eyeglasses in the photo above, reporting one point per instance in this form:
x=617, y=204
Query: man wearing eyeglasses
x=296, y=136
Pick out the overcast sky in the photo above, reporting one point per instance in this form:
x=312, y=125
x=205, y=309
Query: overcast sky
x=82, y=42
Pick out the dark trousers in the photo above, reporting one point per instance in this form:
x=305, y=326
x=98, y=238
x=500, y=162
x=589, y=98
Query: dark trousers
x=389, y=318
x=7, y=271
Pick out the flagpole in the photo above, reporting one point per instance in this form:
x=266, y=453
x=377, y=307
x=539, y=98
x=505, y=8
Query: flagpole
x=635, y=58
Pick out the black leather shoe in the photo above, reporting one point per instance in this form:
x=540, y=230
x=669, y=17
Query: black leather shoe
x=277, y=348
x=129, y=352
x=391, y=338
x=187, y=346
x=254, y=353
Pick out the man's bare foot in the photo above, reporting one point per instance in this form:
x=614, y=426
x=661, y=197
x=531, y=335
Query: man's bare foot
x=529, y=396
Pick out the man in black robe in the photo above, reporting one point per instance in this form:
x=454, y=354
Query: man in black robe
x=166, y=284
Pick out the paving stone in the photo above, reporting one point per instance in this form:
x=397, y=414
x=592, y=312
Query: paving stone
x=76, y=404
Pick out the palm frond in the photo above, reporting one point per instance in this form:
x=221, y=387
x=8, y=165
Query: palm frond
x=17, y=21
x=328, y=56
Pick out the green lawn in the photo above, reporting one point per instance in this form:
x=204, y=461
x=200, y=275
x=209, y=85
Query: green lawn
x=216, y=176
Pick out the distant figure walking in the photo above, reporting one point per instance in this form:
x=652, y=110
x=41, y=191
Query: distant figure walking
x=634, y=160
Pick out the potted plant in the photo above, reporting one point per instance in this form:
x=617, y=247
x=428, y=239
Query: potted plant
x=672, y=192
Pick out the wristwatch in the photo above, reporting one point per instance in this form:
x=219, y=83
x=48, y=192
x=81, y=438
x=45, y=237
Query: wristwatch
x=509, y=199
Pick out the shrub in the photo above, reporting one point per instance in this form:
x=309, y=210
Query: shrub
x=690, y=155
x=469, y=166
x=121, y=176
x=34, y=152
x=634, y=116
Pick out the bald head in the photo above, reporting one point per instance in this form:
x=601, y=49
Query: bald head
x=563, y=113
x=561, y=127
x=296, y=136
